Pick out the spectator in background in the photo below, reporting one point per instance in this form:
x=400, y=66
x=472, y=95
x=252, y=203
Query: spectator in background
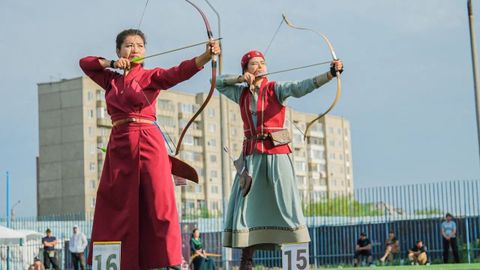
x=37, y=265
x=77, y=245
x=49, y=253
x=199, y=258
x=449, y=236
x=418, y=254
x=392, y=247
x=363, y=249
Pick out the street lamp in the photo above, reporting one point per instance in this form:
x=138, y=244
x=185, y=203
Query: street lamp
x=12, y=211
x=227, y=256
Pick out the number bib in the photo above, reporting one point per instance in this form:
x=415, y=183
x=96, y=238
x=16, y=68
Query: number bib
x=106, y=255
x=295, y=256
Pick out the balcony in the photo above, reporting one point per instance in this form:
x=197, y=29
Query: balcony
x=166, y=112
x=104, y=122
x=102, y=139
x=101, y=104
x=188, y=115
x=316, y=134
x=192, y=148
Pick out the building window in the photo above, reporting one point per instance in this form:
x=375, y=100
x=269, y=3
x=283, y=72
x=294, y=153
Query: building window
x=90, y=114
x=302, y=180
x=212, y=142
x=188, y=140
x=167, y=121
x=297, y=138
x=90, y=96
x=211, y=112
x=104, y=131
x=101, y=113
x=317, y=154
x=299, y=166
x=90, y=131
x=93, y=202
x=100, y=95
x=213, y=173
x=197, y=141
x=93, y=148
x=187, y=108
x=213, y=158
x=92, y=166
x=212, y=127
x=214, y=189
x=165, y=105
x=93, y=184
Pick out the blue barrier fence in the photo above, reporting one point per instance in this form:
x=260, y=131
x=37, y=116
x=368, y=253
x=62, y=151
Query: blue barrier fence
x=413, y=212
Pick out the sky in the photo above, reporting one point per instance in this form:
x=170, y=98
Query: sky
x=407, y=87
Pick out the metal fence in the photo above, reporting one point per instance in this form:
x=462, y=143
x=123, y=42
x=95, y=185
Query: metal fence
x=413, y=212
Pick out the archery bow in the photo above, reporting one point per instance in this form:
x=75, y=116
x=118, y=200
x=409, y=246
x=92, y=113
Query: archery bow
x=334, y=57
x=212, y=82
x=179, y=167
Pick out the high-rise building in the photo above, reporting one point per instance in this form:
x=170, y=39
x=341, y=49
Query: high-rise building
x=74, y=126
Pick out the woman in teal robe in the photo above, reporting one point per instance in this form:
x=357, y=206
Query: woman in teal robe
x=198, y=256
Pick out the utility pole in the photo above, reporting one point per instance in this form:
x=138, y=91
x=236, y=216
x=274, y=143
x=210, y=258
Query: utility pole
x=473, y=48
x=7, y=204
x=7, y=213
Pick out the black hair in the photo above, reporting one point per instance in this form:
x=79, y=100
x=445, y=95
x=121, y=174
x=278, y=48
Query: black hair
x=129, y=32
x=193, y=231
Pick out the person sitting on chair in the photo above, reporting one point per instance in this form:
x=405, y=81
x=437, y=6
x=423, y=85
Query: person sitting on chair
x=363, y=249
x=392, y=247
x=198, y=257
x=418, y=254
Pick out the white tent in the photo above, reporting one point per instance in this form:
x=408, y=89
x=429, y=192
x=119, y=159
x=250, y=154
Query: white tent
x=21, y=245
x=10, y=237
x=31, y=235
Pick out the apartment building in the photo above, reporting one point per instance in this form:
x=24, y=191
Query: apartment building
x=74, y=126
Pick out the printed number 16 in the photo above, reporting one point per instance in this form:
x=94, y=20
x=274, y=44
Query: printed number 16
x=110, y=265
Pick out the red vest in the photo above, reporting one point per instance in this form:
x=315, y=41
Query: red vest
x=270, y=117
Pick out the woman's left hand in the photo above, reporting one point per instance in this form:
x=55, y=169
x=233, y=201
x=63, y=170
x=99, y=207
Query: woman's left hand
x=213, y=48
x=335, y=66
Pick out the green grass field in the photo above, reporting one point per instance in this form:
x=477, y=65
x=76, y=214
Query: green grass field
x=462, y=266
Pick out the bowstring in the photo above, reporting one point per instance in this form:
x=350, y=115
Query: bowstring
x=167, y=138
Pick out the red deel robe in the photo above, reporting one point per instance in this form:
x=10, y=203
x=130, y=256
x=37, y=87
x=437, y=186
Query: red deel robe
x=135, y=199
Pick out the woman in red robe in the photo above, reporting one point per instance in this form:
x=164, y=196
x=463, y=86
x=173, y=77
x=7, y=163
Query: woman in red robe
x=135, y=199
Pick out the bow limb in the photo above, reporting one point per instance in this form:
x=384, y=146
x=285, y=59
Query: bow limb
x=334, y=57
x=212, y=83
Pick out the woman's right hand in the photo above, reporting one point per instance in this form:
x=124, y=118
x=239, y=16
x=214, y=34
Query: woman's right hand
x=122, y=63
x=247, y=77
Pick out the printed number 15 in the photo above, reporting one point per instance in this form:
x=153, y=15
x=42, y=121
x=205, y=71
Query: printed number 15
x=301, y=259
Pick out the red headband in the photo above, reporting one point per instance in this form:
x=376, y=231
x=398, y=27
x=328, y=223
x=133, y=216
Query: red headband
x=249, y=55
